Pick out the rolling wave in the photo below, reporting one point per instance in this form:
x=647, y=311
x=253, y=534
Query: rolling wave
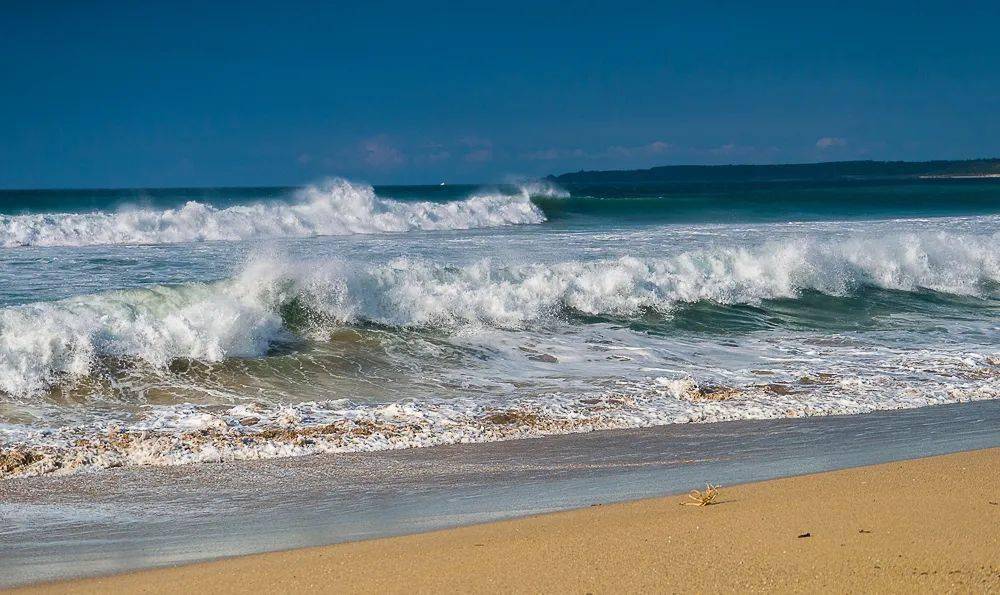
x=45, y=343
x=336, y=207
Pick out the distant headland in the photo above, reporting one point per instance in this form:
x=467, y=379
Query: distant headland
x=831, y=170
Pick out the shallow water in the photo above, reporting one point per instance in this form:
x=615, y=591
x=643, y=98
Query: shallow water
x=125, y=519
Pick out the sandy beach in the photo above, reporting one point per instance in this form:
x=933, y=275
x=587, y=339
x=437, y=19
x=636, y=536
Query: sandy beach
x=499, y=298
x=929, y=524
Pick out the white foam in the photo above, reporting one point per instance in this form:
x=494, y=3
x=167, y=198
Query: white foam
x=46, y=343
x=336, y=207
x=191, y=434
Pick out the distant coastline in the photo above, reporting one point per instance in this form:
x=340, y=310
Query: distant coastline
x=960, y=177
x=831, y=170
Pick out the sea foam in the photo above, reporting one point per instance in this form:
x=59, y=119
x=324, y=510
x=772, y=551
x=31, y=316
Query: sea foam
x=336, y=207
x=188, y=433
x=46, y=343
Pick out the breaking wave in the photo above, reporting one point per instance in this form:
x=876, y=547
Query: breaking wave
x=186, y=434
x=45, y=343
x=336, y=207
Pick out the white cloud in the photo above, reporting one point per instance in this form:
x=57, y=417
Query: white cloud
x=830, y=142
x=656, y=147
x=479, y=150
x=379, y=152
x=551, y=154
x=613, y=152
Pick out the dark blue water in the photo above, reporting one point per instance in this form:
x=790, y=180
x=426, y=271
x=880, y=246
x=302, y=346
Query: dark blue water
x=679, y=202
x=776, y=201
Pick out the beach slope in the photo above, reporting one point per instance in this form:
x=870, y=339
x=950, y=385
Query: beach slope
x=929, y=524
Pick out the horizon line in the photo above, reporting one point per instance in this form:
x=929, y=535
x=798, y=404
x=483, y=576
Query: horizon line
x=499, y=183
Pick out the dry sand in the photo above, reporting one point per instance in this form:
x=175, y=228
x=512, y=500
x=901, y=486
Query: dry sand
x=924, y=525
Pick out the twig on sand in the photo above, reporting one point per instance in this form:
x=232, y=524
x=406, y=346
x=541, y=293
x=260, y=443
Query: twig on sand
x=705, y=498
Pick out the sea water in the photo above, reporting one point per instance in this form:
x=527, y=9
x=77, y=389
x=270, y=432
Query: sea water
x=162, y=327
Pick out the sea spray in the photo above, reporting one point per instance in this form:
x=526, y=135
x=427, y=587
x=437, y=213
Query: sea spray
x=45, y=343
x=335, y=207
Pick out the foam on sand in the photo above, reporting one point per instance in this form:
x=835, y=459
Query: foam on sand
x=191, y=434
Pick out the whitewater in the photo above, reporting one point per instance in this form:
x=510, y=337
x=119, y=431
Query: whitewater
x=341, y=317
x=337, y=207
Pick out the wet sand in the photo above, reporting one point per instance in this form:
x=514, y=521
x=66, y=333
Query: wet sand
x=929, y=524
x=128, y=519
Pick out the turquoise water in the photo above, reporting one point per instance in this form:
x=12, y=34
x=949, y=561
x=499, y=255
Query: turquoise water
x=208, y=324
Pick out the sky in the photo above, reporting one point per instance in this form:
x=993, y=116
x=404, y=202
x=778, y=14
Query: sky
x=143, y=94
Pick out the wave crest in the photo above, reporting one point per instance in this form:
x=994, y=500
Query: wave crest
x=44, y=343
x=336, y=207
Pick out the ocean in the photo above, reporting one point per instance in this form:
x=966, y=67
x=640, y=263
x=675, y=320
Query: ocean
x=178, y=326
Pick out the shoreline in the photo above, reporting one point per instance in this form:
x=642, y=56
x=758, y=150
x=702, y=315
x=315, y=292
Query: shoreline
x=928, y=524
x=225, y=439
x=125, y=519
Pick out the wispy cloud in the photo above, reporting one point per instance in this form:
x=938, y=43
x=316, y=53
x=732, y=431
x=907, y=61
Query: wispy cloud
x=726, y=149
x=552, y=153
x=383, y=154
x=431, y=153
x=830, y=142
x=614, y=152
x=735, y=151
x=477, y=150
x=379, y=152
x=657, y=147
x=479, y=155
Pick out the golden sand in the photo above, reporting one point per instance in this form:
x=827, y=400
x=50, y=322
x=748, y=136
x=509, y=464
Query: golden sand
x=924, y=525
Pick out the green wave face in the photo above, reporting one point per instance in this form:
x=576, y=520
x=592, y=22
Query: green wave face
x=708, y=202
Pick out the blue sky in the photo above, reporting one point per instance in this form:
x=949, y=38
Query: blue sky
x=170, y=94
